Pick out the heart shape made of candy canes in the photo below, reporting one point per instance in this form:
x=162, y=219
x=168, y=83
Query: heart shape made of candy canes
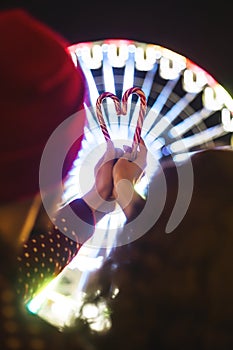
x=121, y=108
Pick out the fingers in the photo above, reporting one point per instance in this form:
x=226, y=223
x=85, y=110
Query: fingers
x=127, y=149
x=118, y=153
x=140, y=152
x=112, y=154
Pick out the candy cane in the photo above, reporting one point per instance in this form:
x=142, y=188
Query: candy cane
x=99, y=111
x=142, y=112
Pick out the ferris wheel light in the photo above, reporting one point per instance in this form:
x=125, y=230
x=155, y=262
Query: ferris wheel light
x=194, y=82
x=171, y=68
x=212, y=99
x=227, y=119
x=92, y=56
x=216, y=98
x=146, y=58
x=118, y=55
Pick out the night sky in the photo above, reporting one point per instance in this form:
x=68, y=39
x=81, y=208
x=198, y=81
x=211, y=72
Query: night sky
x=201, y=31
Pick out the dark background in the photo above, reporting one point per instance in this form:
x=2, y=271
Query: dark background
x=201, y=30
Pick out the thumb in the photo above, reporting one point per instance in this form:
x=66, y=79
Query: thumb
x=118, y=153
x=110, y=151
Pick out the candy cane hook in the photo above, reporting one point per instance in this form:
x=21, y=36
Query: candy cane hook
x=99, y=111
x=142, y=112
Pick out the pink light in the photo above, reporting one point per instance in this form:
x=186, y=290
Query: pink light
x=196, y=69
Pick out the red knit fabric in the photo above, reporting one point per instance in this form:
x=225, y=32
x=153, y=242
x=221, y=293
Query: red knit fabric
x=39, y=88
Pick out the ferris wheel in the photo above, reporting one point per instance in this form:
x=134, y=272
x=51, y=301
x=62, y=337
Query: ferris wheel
x=187, y=111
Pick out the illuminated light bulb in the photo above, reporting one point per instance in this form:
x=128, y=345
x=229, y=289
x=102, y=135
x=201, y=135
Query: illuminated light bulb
x=118, y=55
x=87, y=263
x=145, y=58
x=212, y=98
x=97, y=316
x=170, y=68
x=115, y=292
x=227, y=119
x=62, y=309
x=223, y=96
x=174, y=56
x=90, y=311
x=91, y=56
x=196, y=69
x=102, y=324
x=194, y=82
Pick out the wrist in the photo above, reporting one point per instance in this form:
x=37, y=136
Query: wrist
x=123, y=191
x=130, y=201
x=93, y=199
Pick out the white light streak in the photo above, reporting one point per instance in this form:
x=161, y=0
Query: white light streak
x=179, y=106
x=148, y=81
x=94, y=94
x=86, y=263
x=197, y=139
x=189, y=122
x=128, y=77
x=108, y=76
x=154, y=111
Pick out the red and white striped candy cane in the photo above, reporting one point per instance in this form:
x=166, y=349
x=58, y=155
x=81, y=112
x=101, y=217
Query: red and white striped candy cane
x=142, y=112
x=99, y=111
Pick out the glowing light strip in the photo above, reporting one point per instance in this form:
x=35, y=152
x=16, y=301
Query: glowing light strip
x=108, y=76
x=128, y=81
x=171, y=115
x=90, y=82
x=109, y=84
x=189, y=122
x=134, y=117
x=148, y=82
x=154, y=111
x=128, y=78
x=197, y=139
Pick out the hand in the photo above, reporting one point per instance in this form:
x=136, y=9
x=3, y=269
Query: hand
x=130, y=170
x=125, y=175
x=103, y=187
x=104, y=171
